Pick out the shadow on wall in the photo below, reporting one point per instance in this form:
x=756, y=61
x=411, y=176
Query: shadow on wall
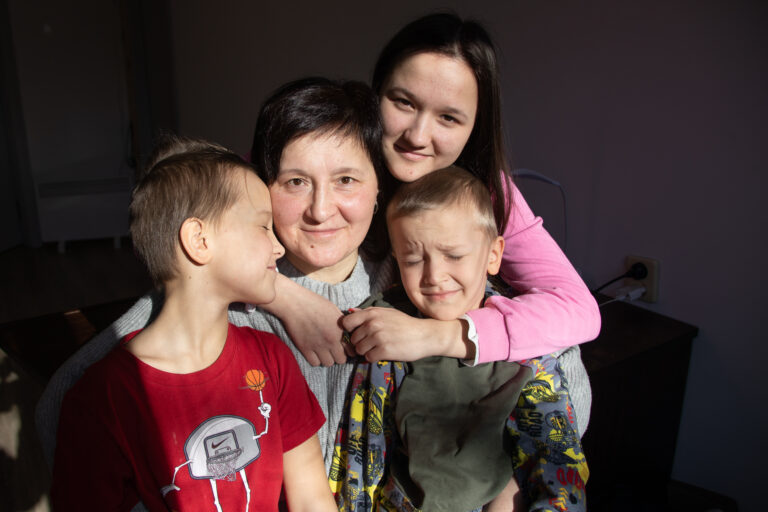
x=24, y=475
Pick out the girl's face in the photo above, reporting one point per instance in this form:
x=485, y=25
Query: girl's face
x=428, y=107
x=323, y=201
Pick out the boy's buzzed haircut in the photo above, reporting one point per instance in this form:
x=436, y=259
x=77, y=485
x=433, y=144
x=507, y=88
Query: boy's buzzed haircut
x=449, y=186
x=184, y=178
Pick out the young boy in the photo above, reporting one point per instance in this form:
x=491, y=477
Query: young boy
x=193, y=413
x=445, y=241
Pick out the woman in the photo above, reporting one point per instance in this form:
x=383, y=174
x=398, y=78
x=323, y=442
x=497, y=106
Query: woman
x=319, y=151
x=439, y=94
x=321, y=159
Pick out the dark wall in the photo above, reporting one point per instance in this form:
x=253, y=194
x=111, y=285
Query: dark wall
x=650, y=114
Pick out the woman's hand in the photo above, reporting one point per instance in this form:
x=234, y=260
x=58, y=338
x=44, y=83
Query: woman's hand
x=311, y=321
x=391, y=335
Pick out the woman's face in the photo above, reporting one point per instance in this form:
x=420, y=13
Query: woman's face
x=428, y=107
x=323, y=201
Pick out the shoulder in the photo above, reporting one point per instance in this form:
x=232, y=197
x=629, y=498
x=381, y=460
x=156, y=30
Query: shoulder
x=266, y=340
x=264, y=345
x=100, y=382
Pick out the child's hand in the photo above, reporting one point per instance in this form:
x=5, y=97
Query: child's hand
x=385, y=334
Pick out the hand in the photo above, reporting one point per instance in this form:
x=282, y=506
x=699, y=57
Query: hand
x=388, y=334
x=312, y=322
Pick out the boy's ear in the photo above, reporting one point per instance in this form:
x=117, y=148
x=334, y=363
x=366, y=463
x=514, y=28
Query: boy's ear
x=194, y=240
x=494, y=255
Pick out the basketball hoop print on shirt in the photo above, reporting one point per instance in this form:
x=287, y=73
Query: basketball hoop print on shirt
x=222, y=447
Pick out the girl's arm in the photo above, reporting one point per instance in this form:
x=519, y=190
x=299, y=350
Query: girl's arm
x=554, y=309
x=306, y=486
x=311, y=321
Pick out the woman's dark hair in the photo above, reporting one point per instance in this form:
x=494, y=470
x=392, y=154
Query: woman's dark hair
x=447, y=34
x=322, y=106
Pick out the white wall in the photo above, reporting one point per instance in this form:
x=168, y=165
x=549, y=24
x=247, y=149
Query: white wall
x=651, y=115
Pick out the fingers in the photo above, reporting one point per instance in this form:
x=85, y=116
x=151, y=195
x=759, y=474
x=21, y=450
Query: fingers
x=312, y=358
x=339, y=353
x=327, y=358
x=354, y=319
x=349, y=348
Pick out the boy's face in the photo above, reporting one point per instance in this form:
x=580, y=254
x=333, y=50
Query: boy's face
x=246, y=249
x=444, y=256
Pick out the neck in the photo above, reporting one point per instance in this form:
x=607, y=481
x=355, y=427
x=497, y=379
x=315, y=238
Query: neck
x=332, y=274
x=189, y=333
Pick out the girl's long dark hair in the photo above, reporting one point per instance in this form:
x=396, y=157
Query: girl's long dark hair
x=447, y=34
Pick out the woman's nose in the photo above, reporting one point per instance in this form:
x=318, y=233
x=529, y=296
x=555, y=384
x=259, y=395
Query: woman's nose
x=418, y=133
x=322, y=206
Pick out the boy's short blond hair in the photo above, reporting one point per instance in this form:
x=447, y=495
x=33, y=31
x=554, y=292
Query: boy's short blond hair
x=184, y=178
x=450, y=186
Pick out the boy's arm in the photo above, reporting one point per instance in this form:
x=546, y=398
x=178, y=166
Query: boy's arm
x=306, y=485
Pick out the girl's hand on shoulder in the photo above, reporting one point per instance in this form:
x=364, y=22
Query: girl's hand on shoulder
x=385, y=334
x=312, y=322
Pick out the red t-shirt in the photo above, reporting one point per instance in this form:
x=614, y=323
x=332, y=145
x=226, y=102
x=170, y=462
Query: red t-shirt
x=129, y=432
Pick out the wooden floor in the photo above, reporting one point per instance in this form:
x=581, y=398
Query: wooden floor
x=38, y=285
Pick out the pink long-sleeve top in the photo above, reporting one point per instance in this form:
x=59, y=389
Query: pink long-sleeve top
x=554, y=309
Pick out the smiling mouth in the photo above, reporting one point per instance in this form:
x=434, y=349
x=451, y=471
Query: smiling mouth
x=409, y=154
x=321, y=233
x=439, y=296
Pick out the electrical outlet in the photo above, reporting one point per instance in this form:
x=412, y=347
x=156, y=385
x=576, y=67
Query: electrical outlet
x=651, y=282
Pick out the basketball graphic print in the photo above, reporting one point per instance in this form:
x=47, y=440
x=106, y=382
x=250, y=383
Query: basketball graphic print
x=255, y=380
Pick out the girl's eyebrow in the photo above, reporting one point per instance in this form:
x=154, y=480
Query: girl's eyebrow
x=400, y=89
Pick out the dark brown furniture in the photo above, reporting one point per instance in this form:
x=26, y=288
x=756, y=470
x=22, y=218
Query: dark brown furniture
x=638, y=368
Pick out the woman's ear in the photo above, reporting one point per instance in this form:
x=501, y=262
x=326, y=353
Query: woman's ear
x=494, y=255
x=195, y=241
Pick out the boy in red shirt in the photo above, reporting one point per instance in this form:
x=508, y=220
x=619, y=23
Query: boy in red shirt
x=193, y=413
